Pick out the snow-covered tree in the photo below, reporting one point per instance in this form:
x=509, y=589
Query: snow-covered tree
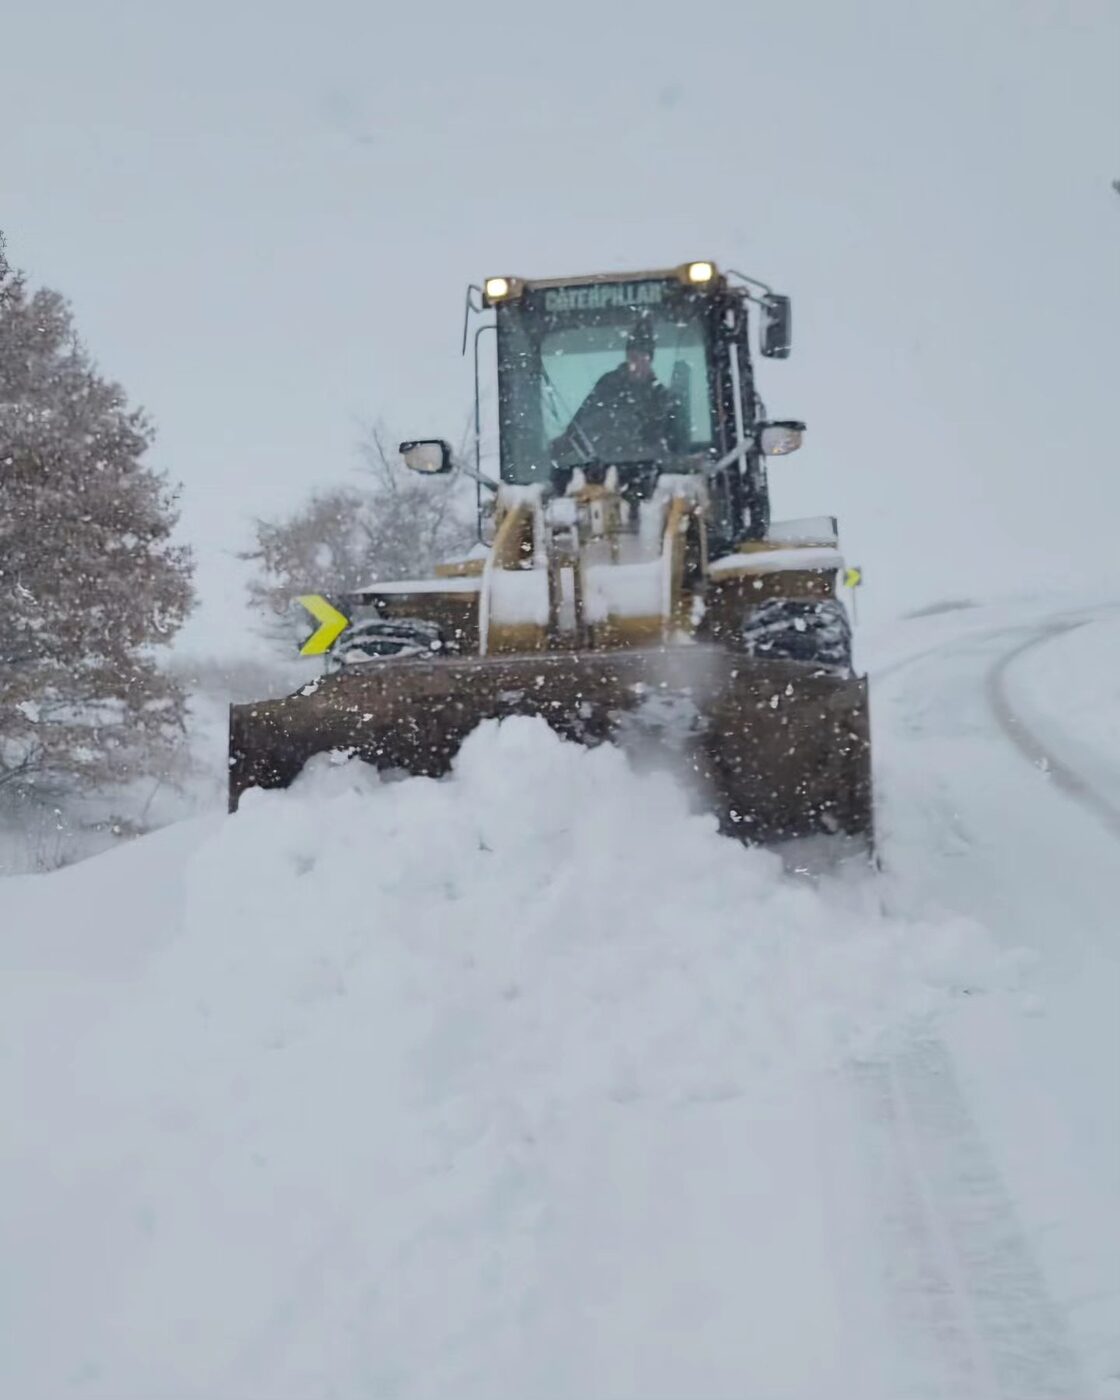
x=394, y=525
x=89, y=582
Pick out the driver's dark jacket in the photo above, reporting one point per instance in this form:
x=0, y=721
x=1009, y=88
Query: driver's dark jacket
x=624, y=419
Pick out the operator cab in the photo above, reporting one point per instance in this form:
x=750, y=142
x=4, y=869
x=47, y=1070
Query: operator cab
x=626, y=378
x=618, y=374
x=638, y=376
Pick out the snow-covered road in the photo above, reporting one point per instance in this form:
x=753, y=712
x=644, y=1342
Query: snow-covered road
x=1069, y=691
x=997, y=752
x=528, y=1083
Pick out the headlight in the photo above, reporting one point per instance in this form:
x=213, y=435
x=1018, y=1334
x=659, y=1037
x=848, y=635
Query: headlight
x=701, y=272
x=496, y=288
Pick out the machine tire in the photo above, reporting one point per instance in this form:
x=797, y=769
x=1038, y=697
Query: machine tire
x=386, y=639
x=812, y=630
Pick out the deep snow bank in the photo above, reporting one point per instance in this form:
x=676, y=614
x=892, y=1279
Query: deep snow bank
x=521, y=1083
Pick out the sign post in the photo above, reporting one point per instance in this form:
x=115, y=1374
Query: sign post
x=853, y=577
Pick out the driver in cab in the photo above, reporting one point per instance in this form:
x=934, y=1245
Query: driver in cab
x=629, y=416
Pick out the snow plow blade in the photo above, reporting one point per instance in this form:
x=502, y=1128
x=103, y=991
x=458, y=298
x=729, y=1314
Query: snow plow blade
x=777, y=749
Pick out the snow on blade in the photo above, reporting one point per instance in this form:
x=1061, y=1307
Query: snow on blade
x=523, y=1083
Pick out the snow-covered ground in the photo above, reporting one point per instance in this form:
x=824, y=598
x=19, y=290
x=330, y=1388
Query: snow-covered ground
x=528, y=1083
x=41, y=834
x=996, y=742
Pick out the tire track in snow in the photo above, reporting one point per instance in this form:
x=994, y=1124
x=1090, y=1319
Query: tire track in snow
x=1011, y=724
x=968, y=1291
x=965, y=1285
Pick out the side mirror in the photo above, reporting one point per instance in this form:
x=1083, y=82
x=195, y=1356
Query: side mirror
x=776, y=326
x=779, y=439
x=430, y=456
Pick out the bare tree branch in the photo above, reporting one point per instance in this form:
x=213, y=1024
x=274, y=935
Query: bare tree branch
x=394, y=526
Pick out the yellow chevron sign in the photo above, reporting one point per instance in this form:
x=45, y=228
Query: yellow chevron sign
x=331, y=624
x=853, y=578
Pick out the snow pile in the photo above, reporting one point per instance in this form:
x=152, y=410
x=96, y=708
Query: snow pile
x=520, y=1083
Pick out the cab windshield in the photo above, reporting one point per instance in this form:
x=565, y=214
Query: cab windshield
x=608, y=374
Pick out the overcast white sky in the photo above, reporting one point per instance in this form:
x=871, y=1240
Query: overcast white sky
x=265, y=215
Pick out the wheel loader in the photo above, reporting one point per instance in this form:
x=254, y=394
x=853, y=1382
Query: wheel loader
x=629, y=584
